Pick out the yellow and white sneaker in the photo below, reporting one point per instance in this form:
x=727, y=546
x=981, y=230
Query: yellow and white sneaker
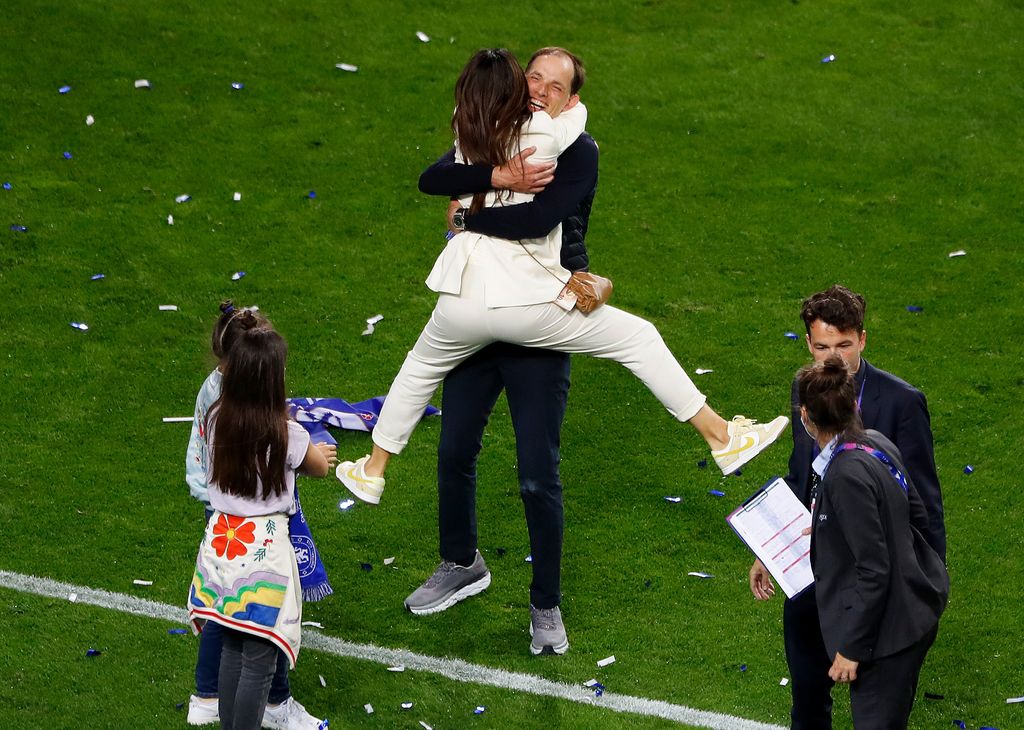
x=353, y=476
x=747, y=439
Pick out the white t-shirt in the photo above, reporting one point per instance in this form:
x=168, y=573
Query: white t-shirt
x=298, y=442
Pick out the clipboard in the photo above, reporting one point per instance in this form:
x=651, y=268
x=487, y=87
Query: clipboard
x=769, y=522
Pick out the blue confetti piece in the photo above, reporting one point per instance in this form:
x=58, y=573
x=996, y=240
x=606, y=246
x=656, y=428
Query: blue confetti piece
x=7, y=186
x=914, y=308
x=312, y=193
x=791, y=336
x=716, y=492
x=598, y=691
x=64, y=89
x=93, y=652
x=19, y=229
x=366, y=566
x=647, y=583
x=968, y=469
x=67, y=155
x=177, y=631
x=97, y=277
x=80, y=326
x=237, y=275
x=702, y=464
x=480, y=709
x=448, y=235
x=986, y=727
x=829, y=58
x=743, y=667
x=324, y=725
x=236, y=86
x=960, y=724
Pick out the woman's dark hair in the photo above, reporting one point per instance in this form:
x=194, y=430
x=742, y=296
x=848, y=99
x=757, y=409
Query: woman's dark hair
x=233, y=321
x=491, y=107
x=826, y=389
x=250, y=435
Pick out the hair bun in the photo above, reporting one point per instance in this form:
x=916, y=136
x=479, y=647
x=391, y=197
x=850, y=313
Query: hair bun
x=227, y=306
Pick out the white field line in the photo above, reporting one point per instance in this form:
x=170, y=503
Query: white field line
x=453, y=669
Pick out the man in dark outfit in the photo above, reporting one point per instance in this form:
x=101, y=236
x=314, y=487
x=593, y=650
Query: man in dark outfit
x=834, y=320
x=536, y=381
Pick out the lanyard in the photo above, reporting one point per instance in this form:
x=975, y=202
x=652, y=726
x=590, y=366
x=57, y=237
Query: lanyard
x=896, y=473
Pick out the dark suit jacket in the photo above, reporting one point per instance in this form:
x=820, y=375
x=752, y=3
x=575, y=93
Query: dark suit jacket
x=880, y=587
x=899, y=411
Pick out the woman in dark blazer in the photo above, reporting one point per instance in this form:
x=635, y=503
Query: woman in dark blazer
x=880, y=587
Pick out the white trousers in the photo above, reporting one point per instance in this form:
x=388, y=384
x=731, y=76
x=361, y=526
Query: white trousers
x=462, y=324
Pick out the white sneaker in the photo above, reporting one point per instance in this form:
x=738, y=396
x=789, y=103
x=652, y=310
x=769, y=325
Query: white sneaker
x=747, y=439
x=353, y=475
x=203, y=711
x=291, y=715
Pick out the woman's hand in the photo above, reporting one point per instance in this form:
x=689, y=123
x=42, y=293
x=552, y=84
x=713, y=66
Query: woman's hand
x=843, y=670
x=761, y=582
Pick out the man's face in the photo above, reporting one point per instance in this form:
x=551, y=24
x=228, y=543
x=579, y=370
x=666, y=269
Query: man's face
x=825, y=340
x=550, y=80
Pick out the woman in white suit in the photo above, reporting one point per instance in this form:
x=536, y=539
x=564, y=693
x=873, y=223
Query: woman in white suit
x=492, y=289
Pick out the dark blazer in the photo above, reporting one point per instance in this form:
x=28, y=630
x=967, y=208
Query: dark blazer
x=880, y=587
x=899, y=411
x=566, y=200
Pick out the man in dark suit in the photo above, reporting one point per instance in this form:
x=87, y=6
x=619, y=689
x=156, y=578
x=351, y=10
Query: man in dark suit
x=834, y=320
x=536, y=381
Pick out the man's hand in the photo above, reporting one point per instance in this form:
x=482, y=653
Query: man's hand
x=843, y=670
x=452, y=207
x=761, y=582
x=520, y=176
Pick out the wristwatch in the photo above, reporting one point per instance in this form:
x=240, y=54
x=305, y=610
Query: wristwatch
x=459, y=219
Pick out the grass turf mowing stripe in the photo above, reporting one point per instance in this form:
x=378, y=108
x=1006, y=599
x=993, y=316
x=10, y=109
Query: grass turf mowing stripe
x=453, y=669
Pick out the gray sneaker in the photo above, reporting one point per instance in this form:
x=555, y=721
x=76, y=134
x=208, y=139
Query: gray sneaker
x=449, y=584
x=548, y=631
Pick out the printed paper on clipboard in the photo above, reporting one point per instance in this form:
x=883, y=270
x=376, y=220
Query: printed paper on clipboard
x=770, y=523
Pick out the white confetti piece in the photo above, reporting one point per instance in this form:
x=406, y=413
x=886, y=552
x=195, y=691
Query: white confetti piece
x=784, y=681
x=371, y=323
x=323, y=682
x=425, y=726
x=697, y=574
x=141, y=83
x=89, y=120
x=140, y=582
x=388, y=561
x=424, y=38
x=73, y=597
x=1014, y=700
x=177, y=419
x=170, y=220
x=397, y=668
x=168, y=307
x=606, y=661
x=183, y=198
x=407, y=705
x=369, y=708
x=590, y=683
x=346, y=67
x=346, y=504
x=955, y=254
x=237, y=275
x=314, y=624
x=236, y=197
x=703, y=371
x=528, y=559
x=674, y=500
x=82, y=326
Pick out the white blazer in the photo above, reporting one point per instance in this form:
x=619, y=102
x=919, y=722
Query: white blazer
x=514, y=277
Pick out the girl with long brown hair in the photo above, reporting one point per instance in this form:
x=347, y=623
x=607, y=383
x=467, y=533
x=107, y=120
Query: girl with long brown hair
x=492, y=289
x=246, y=578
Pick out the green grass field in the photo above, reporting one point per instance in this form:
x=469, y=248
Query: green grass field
x=738, y=175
